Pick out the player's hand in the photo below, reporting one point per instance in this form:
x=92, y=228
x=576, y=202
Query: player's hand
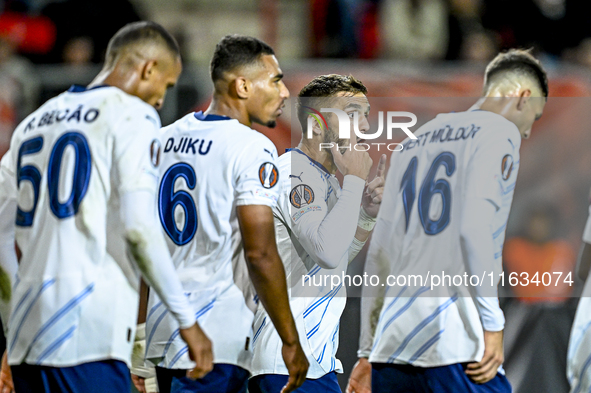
x=486, y=369
x=372, y=196
x=6, y=384
x=352, y=162
x=138, y=382
x=297, y=365
x=360, y=379
x=200, y=351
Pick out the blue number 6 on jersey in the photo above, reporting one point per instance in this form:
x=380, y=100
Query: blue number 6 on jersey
x=168, y=200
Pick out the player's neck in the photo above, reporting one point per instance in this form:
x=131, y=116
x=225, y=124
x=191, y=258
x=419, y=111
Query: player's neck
x=322, y=156
x=117, y=77
x=229, y=108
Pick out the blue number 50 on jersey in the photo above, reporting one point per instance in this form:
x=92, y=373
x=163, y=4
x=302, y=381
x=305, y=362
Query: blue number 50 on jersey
x=82, y=170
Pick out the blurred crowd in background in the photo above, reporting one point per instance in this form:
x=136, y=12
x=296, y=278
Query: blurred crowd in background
x=76, y=32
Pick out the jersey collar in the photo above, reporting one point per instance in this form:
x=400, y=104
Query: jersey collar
x=201, y=116
x=313, y=161
x=80, y=88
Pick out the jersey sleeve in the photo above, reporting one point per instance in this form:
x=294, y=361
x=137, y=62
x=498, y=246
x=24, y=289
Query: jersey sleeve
x=304, y=198
x=8, y=208
x=492, y=169
x=137, y=150
x=257, y=175
x=326, y=236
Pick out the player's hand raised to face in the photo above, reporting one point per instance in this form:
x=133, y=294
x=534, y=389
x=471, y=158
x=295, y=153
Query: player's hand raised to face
x=360, y=379
x=297, y=365
x=352, y=162
x=200, y=351
x=486, y=369
x=372, y=196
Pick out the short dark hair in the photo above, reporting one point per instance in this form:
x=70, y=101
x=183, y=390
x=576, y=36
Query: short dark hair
x=518, y=61
x=314, y=94
x=234, y=51
x=138, y=33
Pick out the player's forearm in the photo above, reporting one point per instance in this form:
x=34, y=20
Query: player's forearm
x=148, y=249
x=372, y=298
x=370, y=313
x=8, y=268
x=328, y=242
x=358, y=242
x=365, y=225
x=8, y=257
x=476, y=239
x=265, y=267
x=268, y=277
x=584, y=261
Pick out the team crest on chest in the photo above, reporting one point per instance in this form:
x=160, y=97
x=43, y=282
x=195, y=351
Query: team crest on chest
x=268, y=175
x=507, y=166
x=301, y=195
x=155, y=152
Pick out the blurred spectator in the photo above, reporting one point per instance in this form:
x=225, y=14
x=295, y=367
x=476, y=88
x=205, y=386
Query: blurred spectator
x=343, y=28
x=33, y=35
x=479, y=46
x=538, y=254
x=468, y=39
x=414, y=29
x=548, y=25
x=97, y=20
x=20, y=89
x=538, y=321
x=78, y=51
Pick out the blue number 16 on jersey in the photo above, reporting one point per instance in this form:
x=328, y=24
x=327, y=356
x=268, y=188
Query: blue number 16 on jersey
x=168, y=200
x=429, y=188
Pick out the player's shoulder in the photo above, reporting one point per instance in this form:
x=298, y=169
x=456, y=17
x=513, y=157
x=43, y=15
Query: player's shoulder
x=298, y=167
x=230, y=130
x=485, y=127
x=182, y=124
x=491, y=121
x=132, y=105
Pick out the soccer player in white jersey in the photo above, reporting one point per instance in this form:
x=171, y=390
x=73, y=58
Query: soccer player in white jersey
x=579, y=347
x=320, y=228
x=219, y=180
x=79, y=182
x=445, y=208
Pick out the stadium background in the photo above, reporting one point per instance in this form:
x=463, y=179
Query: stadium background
x=427, y=54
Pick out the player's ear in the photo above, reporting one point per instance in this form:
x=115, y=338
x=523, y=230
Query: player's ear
x=243, y=87
x=148, y=69
x=523, y=98
x=316, y=128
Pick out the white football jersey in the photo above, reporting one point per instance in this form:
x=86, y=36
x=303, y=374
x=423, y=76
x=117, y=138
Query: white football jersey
x=579, y=346
x=308, y=194
x=75, y=297
x=210, y=165
x=456, y=156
